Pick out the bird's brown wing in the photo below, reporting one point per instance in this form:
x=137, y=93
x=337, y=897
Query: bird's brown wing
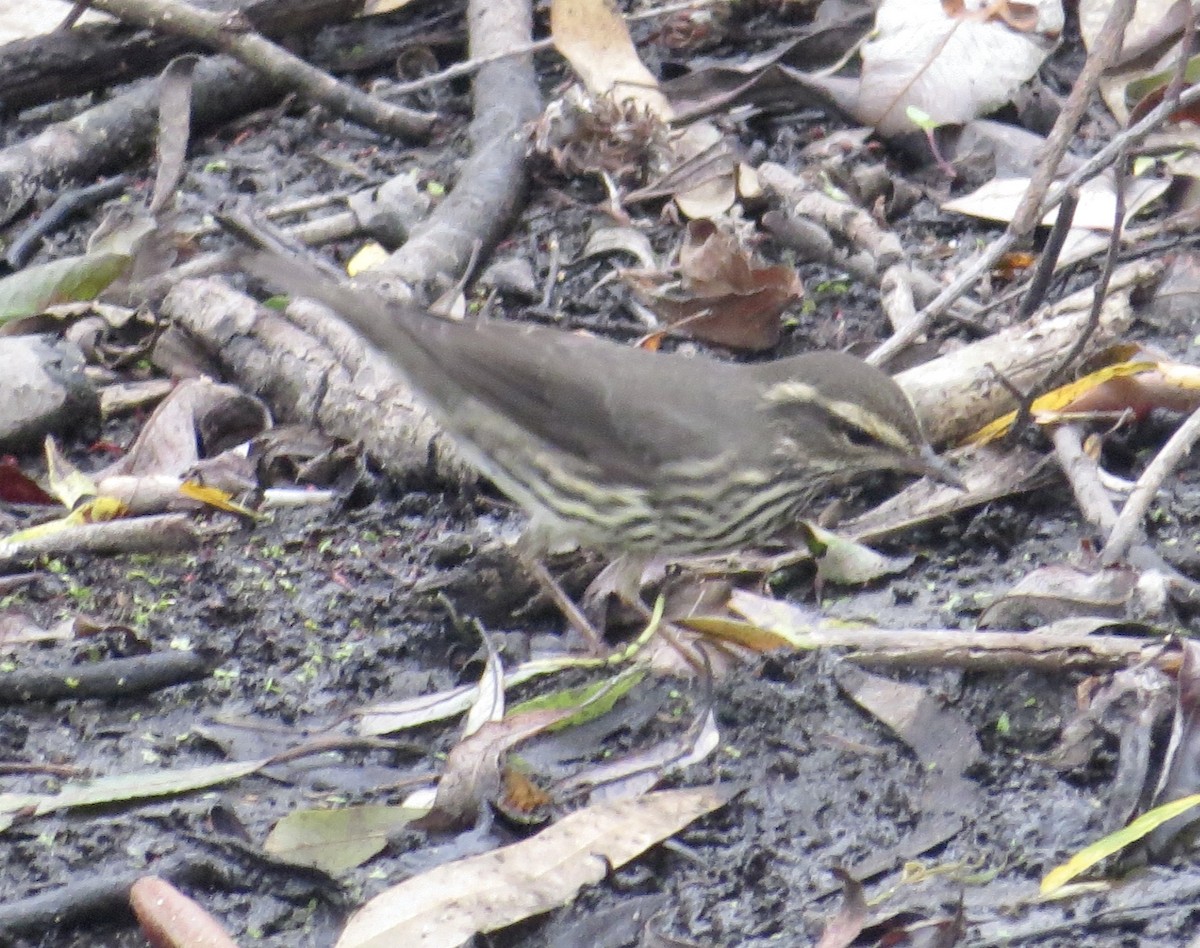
x=625, y=411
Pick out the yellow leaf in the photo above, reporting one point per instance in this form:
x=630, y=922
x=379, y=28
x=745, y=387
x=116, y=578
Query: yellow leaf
x=67, y=482
x=97, y=510
x=215, y=497
x=1115, y=842
x=368, y=255
x=1061, y=397
x=747, y=634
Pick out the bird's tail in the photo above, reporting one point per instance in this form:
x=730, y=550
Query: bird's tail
x=389, y=326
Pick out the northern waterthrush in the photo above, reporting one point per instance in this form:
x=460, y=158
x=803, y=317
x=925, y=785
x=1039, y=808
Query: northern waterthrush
x=627, y=451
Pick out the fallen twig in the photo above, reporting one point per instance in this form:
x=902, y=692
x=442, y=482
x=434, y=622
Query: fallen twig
x=939, y=648
x=1083, y=474
x=1129, y=521
x=491, y=184
x=112, y=678
x=165, y=533
x=235, y=37
x=991, y=255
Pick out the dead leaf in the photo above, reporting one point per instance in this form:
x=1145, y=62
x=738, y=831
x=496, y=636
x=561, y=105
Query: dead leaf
x=472, y=775
x=721, y=295
x=200, y=418
x=17, y=487
x=449, y=904
x=489, y=697
x=1180, y=777
x=69, y=484
x=1150, y=42
x=1129, y=706
x=17, y=628
x=949, y=68
x=1135, y=386
x=1058, y=591
x=998, y=199
x=851, y=918
x=592, y=36
x=637, y=773
x=120, y=788
x=847, y=563
x=1022, y=17
x=940, y=737
x=392, y=716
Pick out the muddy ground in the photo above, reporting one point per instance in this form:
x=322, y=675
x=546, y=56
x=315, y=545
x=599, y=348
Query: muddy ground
x=309, y=615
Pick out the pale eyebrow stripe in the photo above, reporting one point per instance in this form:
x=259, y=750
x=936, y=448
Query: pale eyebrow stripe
x=849, y=413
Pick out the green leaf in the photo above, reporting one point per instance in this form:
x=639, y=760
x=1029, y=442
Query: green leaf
x=592, y=700
x=923, y=120
x=337, y=840
x=33, y=290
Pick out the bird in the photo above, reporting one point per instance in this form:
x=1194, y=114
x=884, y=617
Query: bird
x=634, y=454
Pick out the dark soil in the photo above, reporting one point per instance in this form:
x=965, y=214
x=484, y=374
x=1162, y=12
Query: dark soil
x=310, y=615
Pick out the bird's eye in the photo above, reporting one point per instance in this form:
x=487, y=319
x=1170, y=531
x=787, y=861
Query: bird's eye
x=859, y=437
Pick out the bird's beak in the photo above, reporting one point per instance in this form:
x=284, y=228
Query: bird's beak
x=937, y=468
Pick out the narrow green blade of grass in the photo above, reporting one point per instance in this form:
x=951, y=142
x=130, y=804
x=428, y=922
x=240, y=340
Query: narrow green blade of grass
x=1087, y=857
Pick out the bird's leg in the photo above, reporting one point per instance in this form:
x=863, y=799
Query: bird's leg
x=575, y=616
x=624, y=578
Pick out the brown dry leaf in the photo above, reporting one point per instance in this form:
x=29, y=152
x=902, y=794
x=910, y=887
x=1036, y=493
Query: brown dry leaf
x=473, y=767
x=199, y=418
x=721, y=296
x=851, y=918
x=941, y=737
x=17, y=487
x=522, y=799
x=715, y=190
x=592, y=36
x=700, y=25
x=449, y=904
x=1179, y=778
